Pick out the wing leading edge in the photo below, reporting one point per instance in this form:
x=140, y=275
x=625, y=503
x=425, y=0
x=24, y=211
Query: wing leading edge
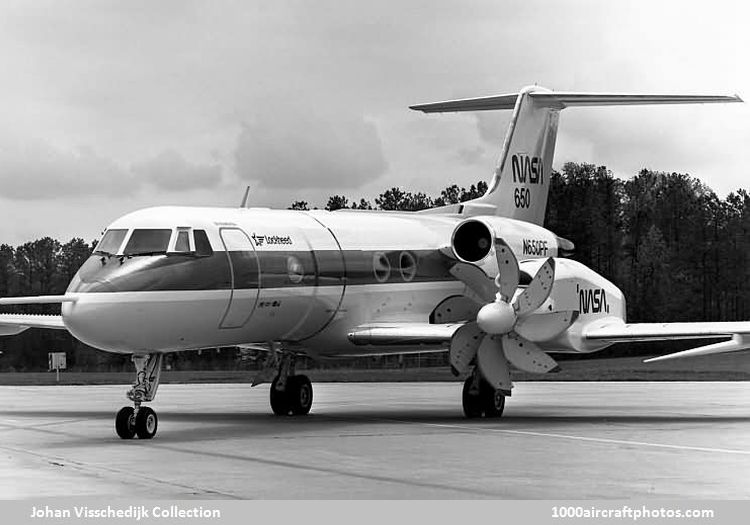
x=12, y=324
x=403, y=334
x=618, y=332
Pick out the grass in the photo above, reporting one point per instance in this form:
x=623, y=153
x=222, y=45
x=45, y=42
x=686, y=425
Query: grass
x=726, y=367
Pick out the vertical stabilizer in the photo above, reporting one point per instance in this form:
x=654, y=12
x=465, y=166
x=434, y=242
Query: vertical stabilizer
x=520, y=186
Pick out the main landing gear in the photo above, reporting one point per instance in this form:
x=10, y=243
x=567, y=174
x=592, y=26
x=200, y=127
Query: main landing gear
x=480, y=399
x=290, y=394
x=140, y=420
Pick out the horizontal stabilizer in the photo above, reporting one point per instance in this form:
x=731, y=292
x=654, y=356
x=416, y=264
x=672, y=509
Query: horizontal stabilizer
x=562, y=100
x=469, y=104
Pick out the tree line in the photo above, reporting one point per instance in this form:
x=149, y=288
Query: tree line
x=677, y=251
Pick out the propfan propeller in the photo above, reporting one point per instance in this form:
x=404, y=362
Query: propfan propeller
x=506, y=328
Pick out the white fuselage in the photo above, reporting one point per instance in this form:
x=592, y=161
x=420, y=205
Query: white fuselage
x=302, y=278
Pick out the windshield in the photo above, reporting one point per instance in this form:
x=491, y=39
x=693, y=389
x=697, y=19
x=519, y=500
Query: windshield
x=148, y=242
x=111, y=242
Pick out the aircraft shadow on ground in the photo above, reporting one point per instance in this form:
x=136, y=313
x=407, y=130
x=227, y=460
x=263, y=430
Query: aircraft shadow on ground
x=264, y=425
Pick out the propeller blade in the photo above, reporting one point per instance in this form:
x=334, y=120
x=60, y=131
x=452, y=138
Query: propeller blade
x=507, y=267
x=526, y=355
x=454, y=309
x=464, y=344
x=537, y=292
x=477, y=281
x=543, y=327
x=493, y=365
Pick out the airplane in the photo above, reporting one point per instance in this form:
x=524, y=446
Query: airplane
x=482, y=280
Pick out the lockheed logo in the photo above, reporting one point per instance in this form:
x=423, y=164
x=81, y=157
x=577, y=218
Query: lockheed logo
x=260, y=240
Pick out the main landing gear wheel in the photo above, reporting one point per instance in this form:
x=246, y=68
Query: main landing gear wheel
x=300, y=394
x=481, y=400
x=146, y=423
x=296, y=398
x=125, y=423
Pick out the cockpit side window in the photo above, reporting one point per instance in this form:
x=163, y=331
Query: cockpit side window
x=148, y=242
x=111, y=242
x=182, y=243
x=202, y=244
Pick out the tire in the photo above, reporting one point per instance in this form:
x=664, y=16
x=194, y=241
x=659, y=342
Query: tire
x=493, y=401
x=146, y=423
x=300, y=395
x=472, y=401
x=125, y=423
x=280, y=400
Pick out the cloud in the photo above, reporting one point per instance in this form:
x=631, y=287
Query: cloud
x=472, y=155
x=35, y=169
x=170, y=171
x=492, y=126
x=284, y=146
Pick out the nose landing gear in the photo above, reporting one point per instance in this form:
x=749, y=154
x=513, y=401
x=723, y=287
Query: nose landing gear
x=140, y=420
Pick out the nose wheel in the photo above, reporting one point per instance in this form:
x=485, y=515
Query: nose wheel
x=139, y=420
x=129, y=423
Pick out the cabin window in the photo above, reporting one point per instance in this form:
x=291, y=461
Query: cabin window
x=295, y=270
x=381, y=267
x=148, y=242
x=111, y=242
x=407, y=266
x=202, y=244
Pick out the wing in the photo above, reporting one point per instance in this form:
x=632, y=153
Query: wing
x=12, y=324
x=403, y=334
x=738, y=334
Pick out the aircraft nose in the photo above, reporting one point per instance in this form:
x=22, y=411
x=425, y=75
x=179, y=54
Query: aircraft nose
x=98, y=321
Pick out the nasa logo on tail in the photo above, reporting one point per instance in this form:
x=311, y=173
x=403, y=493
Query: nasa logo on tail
x=527, y=169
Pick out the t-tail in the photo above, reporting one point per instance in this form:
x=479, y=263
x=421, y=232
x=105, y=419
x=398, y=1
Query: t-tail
x=520, y=186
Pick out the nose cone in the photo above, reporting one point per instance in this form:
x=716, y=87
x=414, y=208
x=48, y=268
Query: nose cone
x=100, y=323
x=496, y=318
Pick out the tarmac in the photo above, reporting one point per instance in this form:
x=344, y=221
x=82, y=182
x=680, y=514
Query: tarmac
x=565, y=440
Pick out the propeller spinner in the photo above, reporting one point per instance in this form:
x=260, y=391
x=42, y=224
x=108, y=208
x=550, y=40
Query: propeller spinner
x=505, y=328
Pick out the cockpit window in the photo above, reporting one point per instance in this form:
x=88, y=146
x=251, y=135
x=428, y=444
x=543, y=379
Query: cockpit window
x=111, y=242
x=202, y=245
x=148, y=242
x=182, y=244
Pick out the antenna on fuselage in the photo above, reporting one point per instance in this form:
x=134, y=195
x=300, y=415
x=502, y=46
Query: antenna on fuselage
x=246, y=198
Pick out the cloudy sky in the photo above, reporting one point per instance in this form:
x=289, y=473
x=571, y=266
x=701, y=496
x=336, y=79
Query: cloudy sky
x=109, y=106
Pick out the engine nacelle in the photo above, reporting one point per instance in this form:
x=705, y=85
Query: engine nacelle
x=473, y=239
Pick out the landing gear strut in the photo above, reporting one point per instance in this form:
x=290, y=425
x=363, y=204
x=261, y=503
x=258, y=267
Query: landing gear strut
x=140, y=420
x=480, y=399
x=290, y=394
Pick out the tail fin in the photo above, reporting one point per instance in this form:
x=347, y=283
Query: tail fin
x=520, y=186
